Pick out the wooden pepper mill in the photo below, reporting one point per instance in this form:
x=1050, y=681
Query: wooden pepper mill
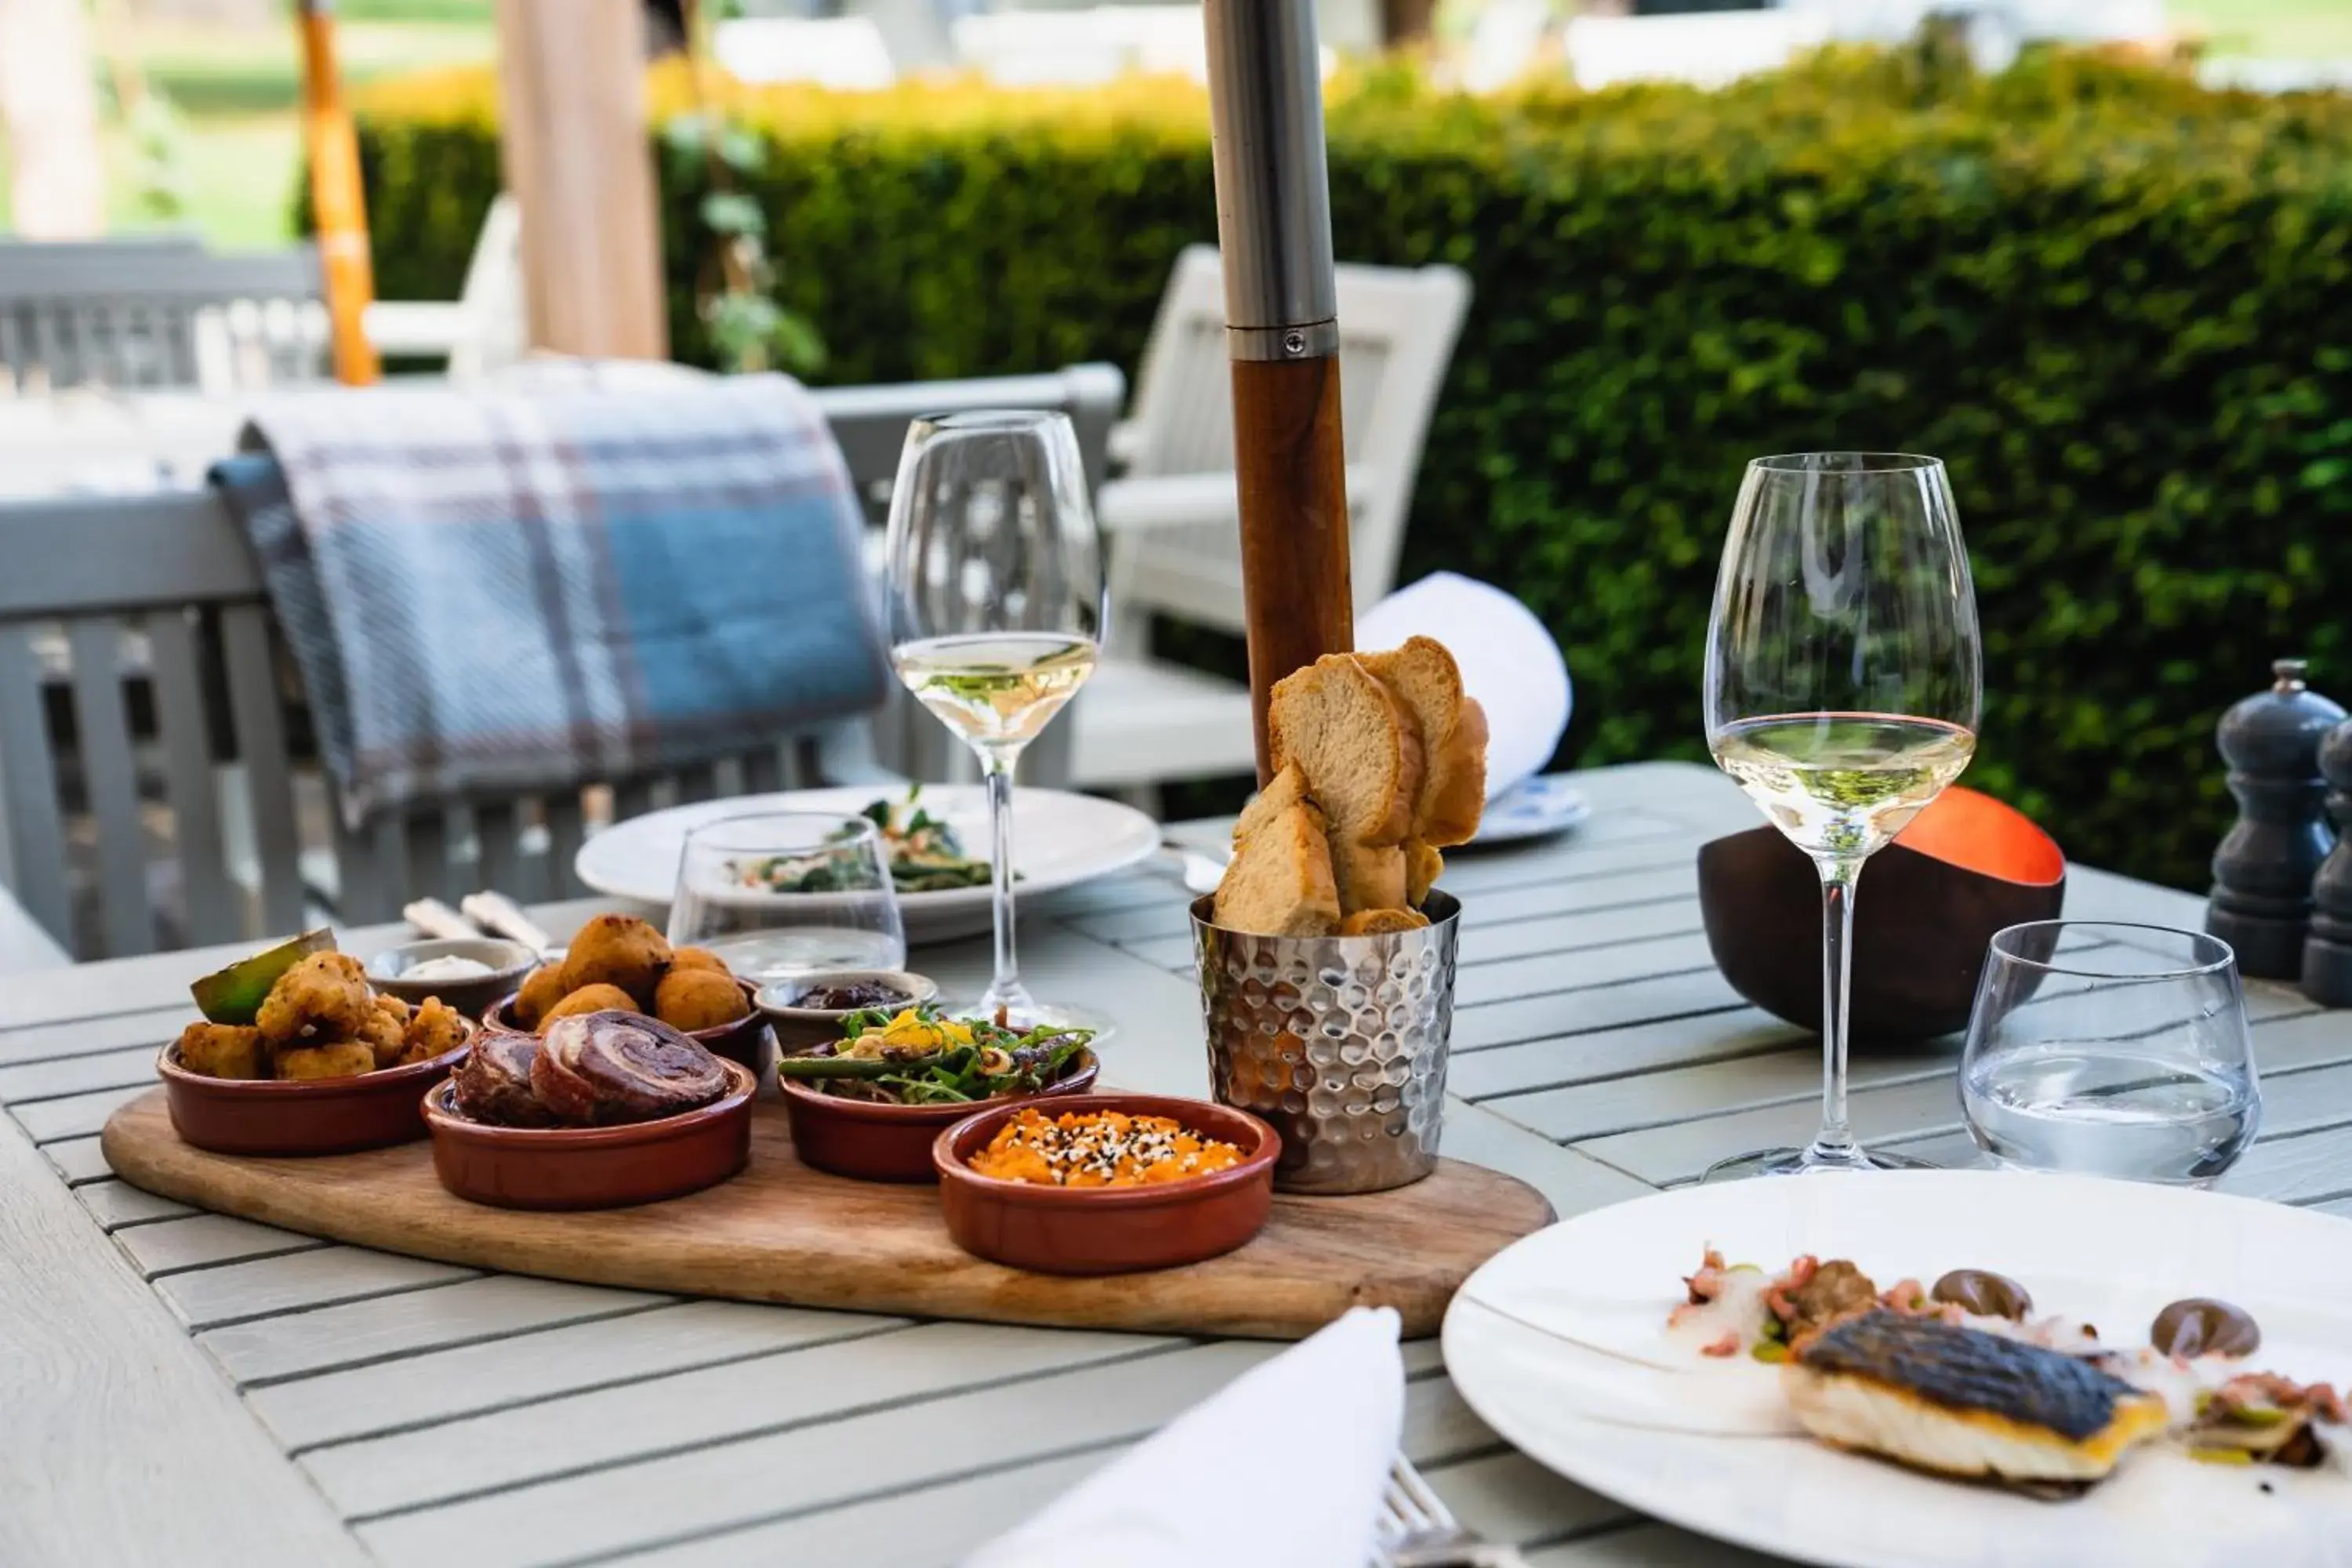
x=2327, y=950
x=2262, y=899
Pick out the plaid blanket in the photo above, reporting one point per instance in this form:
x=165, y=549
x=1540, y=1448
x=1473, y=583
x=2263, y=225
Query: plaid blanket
x=567, y=578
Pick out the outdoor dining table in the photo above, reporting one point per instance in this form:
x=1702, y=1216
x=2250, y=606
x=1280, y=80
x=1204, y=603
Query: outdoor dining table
x=184, y=1387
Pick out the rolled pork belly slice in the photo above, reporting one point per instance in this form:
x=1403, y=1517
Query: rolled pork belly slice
x=611, y=1067
x=493, y=1083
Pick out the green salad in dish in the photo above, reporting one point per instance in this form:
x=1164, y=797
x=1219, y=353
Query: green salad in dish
x=926, y=855
x=918, y=1056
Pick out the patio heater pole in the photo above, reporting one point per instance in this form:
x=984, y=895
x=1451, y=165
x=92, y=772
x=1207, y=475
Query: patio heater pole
x=337, y=204
x=1282, y=333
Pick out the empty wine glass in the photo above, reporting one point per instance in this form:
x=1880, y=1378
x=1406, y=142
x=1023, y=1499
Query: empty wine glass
x=2111, y=1050
x=996, y=606
x=779, y=893
x=1842, y=691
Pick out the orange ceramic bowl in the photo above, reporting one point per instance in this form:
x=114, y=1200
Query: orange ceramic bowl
x=301, y=1116
x=875, y=1142
x=1108, y=1230
x=592, y=1167
x=744, y=1042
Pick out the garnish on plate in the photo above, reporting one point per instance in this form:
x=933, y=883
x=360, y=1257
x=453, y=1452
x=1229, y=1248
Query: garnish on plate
x=1102, y=1149
x=919, y=1056
x=926, y=855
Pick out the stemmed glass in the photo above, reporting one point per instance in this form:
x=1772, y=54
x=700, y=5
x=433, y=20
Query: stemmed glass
x=996, y=608
x=1841, y=691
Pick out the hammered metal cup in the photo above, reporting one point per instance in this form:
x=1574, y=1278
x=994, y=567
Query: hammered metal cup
x=1339, y=1041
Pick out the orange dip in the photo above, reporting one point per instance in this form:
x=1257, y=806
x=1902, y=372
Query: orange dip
x=1101, y=1149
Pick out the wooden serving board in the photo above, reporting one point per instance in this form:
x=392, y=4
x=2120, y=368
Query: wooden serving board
x=781, y=1232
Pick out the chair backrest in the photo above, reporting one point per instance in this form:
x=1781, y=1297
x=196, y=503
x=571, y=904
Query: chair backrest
x=497, y=309
x=158, y=313
x=152, y=780
x=1397, y=329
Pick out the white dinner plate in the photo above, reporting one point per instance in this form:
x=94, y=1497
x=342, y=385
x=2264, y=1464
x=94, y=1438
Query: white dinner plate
x=1058, y=841
x=1577, y=1374
x=1532, y=809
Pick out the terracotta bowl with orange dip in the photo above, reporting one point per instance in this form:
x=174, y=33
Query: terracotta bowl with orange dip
x=1925, y=908
x=1154, y=1183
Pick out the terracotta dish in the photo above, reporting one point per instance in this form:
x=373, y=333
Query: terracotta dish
x=798, y=1028
x=744, y=1042
x=592, y=1167
x=301, y=1116
x=1108, y=1230
x=1928, y=903
x=877, y=1143
x=507, y=962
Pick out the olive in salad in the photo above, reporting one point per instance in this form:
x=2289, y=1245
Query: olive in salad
x=918, y=1056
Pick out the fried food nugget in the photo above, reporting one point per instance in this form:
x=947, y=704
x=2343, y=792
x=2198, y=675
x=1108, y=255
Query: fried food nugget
x=436, y=1028
x=324, y=997
x=697, y=958
x=385, y=1029
x=589, y=999
x=693, y=999
x=337, y=1058
x=616, y=950
x=542, y=988
x=223, y=1050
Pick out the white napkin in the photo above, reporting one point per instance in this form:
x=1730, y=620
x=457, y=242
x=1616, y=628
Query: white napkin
x=1509, y=663
x=1283, y=1467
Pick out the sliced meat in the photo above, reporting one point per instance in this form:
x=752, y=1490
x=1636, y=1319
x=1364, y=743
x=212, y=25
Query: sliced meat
x=493, y=1083
x=612, y=1067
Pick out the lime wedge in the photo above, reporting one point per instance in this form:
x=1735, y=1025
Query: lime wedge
x=234, y=995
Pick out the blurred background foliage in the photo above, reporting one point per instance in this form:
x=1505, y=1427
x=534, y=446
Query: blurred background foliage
x=2118, y=304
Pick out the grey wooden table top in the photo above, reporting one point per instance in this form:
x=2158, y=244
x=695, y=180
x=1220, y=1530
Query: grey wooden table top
x=206, y=1390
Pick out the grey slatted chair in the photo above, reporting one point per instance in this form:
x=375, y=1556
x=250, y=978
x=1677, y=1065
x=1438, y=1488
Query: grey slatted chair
x=125, y=315
x=129, y=761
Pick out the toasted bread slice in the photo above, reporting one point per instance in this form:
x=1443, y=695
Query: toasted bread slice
x=1453, y=730
x=1286, y=789
x=1279, y=882
x=1379, y=922
x=1368, y=875
x=1357, y=743
x=1422, y=866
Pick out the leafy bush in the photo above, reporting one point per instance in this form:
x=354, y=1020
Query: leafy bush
x=2119, y=305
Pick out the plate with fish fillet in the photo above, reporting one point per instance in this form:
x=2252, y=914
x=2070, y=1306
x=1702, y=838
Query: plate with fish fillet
x=1937, y=1369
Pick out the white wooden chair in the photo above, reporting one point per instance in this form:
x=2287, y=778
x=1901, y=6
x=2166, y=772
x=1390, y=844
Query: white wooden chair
x=1173, y=521
x=486, y=327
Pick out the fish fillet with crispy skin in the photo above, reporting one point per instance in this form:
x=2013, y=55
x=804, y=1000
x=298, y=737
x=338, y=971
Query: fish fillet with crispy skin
x=1962, y=1402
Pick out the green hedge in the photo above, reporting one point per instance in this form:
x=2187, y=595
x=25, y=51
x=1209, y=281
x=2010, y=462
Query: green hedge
x=2119, y=305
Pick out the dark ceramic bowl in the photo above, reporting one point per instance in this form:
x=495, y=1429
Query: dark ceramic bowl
x=799, y=1028
x=592, y=1167
x=1927, y=905
x=876, y=1142
x=1108, y=1230
x=300, y=1116
x=744, y=1042
x=473, y=996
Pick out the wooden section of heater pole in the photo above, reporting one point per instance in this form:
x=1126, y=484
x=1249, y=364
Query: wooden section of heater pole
x=1292, y=474
x=338, y=207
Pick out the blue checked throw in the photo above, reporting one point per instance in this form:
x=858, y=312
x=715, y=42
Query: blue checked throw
x=570, y=579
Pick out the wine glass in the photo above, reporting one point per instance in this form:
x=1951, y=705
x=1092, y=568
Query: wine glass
x=1841, y=691
x=2111, y=1050
x=996, y=608
x=779, y=893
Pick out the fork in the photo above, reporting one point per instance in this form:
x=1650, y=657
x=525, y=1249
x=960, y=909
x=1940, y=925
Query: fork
x=1416, y=1529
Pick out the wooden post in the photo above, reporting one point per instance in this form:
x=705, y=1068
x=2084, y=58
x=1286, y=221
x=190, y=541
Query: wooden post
x=1282, y=333
x=571, y=125
x=338, y=205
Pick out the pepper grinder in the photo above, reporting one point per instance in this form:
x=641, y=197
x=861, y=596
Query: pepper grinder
x=2327, y=950
x=2262, y=899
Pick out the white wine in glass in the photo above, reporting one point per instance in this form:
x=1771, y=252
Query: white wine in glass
x=1842, y=686
x=997, y=600
x=995, y=691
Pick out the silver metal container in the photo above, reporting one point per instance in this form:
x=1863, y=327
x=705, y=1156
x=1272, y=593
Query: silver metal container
x=1340, y=1042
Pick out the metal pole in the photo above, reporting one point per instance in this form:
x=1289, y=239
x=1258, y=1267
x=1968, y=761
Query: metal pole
x=1273, y=226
